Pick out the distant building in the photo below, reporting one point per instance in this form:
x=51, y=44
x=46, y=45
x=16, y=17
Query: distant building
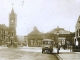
x=3, y=34
x=12, y=27
x=61, y=36
x=26, y=40
x=8, y=34
x=60, y=31
x=77, y=32
x=35, y=38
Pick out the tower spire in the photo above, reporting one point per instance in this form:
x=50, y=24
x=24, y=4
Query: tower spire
x=12, y=8
x=12, y=11
x=12, y=4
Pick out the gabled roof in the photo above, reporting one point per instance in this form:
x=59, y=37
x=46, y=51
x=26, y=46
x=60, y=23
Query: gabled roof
x=35, y=32
x=78, y=23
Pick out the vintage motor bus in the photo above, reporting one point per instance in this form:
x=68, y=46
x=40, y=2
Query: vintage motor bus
x=47, y=45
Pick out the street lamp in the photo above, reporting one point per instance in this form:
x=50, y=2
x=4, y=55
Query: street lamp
x=58, y=43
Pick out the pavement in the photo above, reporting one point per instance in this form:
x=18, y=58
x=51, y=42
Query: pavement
x=3, y=47
x=67, y=54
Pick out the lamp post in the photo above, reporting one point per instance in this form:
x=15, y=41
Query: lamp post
x=58, y=48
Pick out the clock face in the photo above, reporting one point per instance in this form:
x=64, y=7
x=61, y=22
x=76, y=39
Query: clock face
x=11, y=20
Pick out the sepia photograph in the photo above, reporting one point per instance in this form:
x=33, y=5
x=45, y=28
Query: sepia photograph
x=39, y=29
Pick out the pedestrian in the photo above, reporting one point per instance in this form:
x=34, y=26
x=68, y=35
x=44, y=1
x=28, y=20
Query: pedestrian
x=70, y=48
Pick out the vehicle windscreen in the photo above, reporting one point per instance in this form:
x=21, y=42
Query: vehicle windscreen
x=47, y=42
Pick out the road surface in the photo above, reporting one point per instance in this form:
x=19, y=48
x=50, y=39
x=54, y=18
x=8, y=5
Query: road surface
x=25, y=54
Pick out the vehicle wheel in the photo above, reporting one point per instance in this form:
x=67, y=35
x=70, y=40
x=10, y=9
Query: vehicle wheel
x=42, y=51
x=51, y=52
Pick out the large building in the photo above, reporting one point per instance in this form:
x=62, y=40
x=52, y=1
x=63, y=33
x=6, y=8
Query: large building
x=35, y=38
x=64, y=37
x=3, y=34
x=8, y=34
x=12, y=27
x=77, y=32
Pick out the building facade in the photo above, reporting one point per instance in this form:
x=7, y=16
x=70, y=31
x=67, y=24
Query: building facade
x=8, y=34
x=12, y=27
x=77, y=32
x=3, y=34
x=35, y=38
x=64, y=38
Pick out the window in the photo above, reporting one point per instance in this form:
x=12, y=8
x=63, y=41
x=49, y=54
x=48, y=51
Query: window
x=79, y=32
x=31, y=42
x=12, y=34
x=47, y=42
x=76, y=43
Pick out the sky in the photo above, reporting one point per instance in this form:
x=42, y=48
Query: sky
x=44, y=14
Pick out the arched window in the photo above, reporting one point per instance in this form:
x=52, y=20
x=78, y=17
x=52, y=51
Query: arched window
x=76, y=43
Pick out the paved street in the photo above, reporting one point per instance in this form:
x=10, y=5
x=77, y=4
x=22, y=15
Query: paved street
x=68, y=55
x=25, y=53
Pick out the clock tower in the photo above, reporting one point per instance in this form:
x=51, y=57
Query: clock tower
x=12, y=20
x=12, y=27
